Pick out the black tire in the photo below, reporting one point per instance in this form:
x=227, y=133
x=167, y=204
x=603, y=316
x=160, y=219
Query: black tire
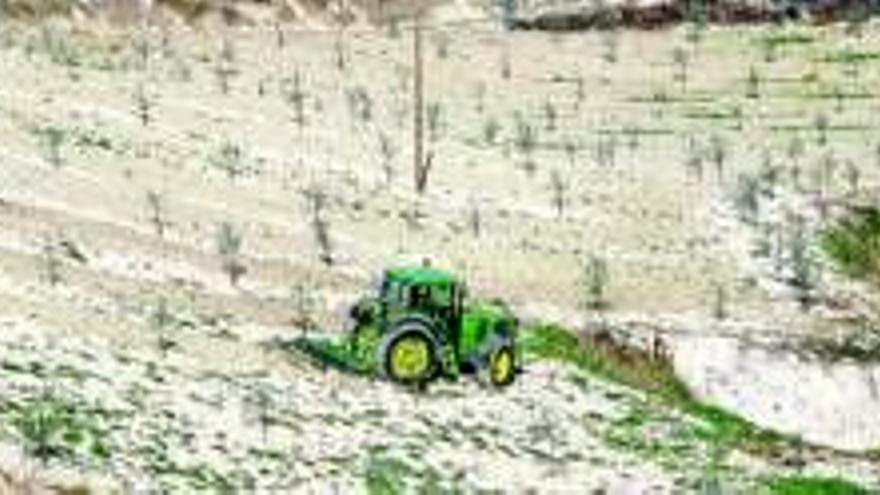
x=417, y=363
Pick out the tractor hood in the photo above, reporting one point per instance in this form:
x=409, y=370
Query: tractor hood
x=492, y=310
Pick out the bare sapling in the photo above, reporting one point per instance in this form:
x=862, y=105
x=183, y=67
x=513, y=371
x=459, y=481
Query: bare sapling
x=594, y=280
x=156, y=212
x=229, y=245
x=316, y=202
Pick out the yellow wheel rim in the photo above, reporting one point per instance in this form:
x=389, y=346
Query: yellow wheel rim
x=410, y=358
x=502, y=366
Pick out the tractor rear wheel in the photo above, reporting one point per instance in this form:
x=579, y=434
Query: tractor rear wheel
x=408, y=355
x=501, y=366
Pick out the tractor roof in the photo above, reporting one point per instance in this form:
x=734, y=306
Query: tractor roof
x=419, y=276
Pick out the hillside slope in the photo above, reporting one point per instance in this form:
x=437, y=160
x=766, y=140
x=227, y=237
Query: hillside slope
x=138, y=166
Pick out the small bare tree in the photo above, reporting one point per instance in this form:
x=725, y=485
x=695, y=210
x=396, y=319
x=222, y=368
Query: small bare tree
x=280, y=39
x=434, y=113
x=229, y=244
x=387, y=150
x=475, y=219
x=316, y=202
x=746, y=198
x=305, y=307
x=610, y=39
x=803, y=267
x=296, y=97
x=339, y=53
x=229, y=159
x=143, y=106
x=441, y=44
x=570, y=148
x=360, y=105
x=694, y=160
x=681, y=60
x=595, y=283
x=155, y=204
x=506, y=71
x=796, y=149
x=142, y=50
x=559, y=189
x=753, y=84
x=50, y=261
x=822, y=123
x=526, y=137
x=423, y=172
x=853, y=178
x=491, y=129
x=225, y=68
x=605, y=151
x=51, y=141
x=261, y=405
x=718, y=152
x=580, y=92
x=720, y=302
x=161, y=321
x=550, y=116
x=877, y=154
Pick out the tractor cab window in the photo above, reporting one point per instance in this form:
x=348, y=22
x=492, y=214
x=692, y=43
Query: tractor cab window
x=390, y=291
x=441, y=296
x=419, y=296
x=432, y=299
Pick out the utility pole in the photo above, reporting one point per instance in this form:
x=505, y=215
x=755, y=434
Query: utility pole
x=419, y=105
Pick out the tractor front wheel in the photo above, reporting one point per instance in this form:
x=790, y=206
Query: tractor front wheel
x=407, y=355
x=501, y=367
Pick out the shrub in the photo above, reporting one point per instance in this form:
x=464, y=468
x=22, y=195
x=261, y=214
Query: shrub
x=854, y=243
x=51, y=428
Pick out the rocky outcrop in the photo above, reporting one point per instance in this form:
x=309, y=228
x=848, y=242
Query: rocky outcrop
x=653, y=14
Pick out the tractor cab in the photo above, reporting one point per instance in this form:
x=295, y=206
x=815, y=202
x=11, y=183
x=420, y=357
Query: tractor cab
x=430, y=292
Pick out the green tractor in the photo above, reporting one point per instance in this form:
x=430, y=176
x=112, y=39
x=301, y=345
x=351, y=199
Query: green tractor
x=422, y=328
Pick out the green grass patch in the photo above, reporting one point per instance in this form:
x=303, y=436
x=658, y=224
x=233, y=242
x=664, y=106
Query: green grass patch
x=711, y=114
x=387, y=475
x=807, y=128
x=778, y=40
x=640, y=131
x=728, y=430
x=835, y=95
x=614, y=362
x=850, y=57
x=797, y=485
x=854, y=244
x=666, y=96
x=603, y=358
x=50, y=428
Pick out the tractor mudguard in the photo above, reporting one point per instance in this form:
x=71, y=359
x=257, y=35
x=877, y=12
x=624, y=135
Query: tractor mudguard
x=423, y=326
